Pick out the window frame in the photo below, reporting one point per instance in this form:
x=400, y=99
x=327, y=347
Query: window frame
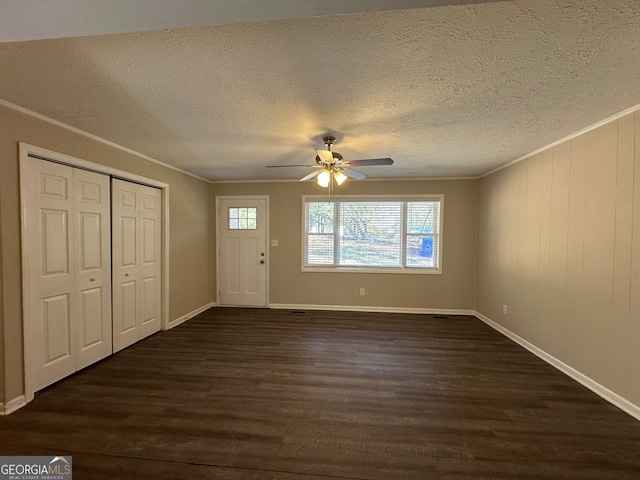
x=437, y=270
x=239, y=219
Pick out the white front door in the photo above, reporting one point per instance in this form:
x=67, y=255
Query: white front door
x=67, y=250
x=242, y=251
x=136, y=262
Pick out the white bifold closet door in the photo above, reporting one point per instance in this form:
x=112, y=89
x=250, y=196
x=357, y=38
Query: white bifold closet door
x=136, y=260
x=67, y=226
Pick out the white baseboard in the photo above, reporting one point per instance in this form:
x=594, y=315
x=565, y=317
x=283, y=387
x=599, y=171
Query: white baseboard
x=190, y=315
x=612, y=397
x=13, y=405
x=368, y=308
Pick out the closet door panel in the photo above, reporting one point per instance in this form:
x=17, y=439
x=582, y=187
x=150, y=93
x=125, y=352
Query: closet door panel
x=150, y=265
x=48, y=242
x=92, y=238
x=91, y=333
x=128, y=307
x=56, y=329
x=126, y=263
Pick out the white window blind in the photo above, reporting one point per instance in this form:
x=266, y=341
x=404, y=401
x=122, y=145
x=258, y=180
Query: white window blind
x=376, y=234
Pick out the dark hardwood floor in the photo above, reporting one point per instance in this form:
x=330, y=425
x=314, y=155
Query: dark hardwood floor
x=245, y=394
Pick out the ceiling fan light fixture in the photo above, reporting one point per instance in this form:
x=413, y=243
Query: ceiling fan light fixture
x=339, y=177
x=324, y=178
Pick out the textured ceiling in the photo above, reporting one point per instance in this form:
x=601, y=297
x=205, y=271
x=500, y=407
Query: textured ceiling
x=451, y=90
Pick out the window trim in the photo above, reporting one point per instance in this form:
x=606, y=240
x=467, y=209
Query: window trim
x=389, y=270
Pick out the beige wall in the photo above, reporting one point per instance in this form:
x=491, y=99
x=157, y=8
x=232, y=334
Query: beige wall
x=190, y=228
x=559, y=244
x=2, y=381
x=454, y=289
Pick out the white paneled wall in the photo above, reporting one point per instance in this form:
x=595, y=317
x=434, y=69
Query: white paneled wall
x=559, y=244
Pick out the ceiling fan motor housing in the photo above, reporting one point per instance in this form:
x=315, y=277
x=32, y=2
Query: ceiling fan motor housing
x=329, y=141
x=337, y=157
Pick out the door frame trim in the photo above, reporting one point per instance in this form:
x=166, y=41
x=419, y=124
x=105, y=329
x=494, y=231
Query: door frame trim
x=26, y=152
x=266, y=239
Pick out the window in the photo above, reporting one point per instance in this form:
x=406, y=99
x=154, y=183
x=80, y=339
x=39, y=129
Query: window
x=243, y=218
x=377, y=234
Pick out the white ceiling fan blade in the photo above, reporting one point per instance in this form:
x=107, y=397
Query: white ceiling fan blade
x=325, y=156
x=353, y=174
x=310, y=176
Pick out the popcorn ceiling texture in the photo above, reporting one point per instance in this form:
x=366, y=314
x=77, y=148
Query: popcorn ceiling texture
x=445, y=91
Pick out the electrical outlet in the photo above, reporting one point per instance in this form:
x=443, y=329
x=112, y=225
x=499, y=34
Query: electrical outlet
x=274, y=243
x=505, y=310
x=362, y=291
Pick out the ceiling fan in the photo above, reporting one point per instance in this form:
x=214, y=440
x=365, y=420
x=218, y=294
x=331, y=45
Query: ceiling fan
x=330, y=164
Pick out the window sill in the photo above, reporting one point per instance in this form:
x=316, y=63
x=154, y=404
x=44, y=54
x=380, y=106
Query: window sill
x=389, y=270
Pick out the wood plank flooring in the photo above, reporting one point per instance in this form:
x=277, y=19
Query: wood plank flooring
x=251, y=394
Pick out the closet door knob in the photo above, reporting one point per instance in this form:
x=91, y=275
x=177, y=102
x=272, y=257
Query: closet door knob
x=126, y=274
x=92, y=279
